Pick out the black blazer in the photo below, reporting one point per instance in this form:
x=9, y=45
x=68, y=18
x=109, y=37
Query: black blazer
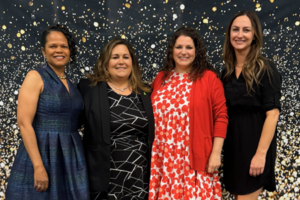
x=96, y=139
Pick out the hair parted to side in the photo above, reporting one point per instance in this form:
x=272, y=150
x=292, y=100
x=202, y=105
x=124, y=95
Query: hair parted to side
x=200, y=63
x=100, y=72
x=64, y=30
x=255, y=64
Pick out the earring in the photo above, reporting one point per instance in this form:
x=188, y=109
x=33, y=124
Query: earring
x=70, y=60
x=45, y=60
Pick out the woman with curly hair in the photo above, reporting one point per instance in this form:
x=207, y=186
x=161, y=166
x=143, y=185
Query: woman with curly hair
x=190, y=123
x=252, y=88
x=50, y=163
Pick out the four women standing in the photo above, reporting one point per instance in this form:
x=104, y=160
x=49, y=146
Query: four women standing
x=190, y=115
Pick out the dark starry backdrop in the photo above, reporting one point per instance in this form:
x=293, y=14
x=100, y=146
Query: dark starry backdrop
x=147, y=24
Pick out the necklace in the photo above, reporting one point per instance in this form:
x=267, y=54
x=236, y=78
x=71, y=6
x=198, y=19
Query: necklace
x=62, y=77
x=122, y=90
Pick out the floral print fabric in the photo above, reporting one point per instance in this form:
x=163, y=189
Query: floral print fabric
x=171, y=175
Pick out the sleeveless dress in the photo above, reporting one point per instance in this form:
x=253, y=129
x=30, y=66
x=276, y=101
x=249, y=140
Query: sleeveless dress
x=129, y=165
x=247, y=114
x=56, y=129
x=171, y=176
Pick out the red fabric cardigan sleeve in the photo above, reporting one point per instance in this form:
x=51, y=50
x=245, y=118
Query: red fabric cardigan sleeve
x=220, y=117
x=156, y=83
x=208, y=118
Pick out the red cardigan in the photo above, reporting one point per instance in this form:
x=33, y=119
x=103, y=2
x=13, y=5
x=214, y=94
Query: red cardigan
x=208, y=116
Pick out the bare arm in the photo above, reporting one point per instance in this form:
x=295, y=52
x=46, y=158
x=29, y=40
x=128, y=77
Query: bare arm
x=258, y=161
x=214, y=161
x=27, y=103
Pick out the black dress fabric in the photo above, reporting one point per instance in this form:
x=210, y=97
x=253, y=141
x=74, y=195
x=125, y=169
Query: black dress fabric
x=129, y=175
x=247, y=114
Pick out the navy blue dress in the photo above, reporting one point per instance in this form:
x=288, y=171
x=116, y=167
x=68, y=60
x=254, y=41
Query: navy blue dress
x=56, y=129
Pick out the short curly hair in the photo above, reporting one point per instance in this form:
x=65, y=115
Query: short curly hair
x=64, y=30
x=200, y=64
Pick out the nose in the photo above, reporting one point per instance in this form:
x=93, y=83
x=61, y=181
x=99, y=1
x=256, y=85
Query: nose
x=240, y=33
x=58, y=49
x=183, y=51
x=121, y=61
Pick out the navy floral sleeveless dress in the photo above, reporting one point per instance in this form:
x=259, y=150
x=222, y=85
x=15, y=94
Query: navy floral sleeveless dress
x=56, y=129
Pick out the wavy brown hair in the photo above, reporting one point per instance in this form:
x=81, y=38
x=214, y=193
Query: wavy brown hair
x=100, y=72
x=199, y=65
x=255, y=64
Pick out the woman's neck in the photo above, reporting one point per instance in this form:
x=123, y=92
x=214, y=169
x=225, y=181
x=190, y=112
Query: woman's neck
x=121, y=87
x=59, y=71
x=182, y=70
x=240, y=58
x=119, y=83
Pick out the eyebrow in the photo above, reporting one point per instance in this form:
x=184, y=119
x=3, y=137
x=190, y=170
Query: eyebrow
x=183, y=44
x=116, y=54
x=54, y=43
x=188, y=45
x=243, y=27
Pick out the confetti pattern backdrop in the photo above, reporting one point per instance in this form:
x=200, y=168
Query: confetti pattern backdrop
x=148, y=25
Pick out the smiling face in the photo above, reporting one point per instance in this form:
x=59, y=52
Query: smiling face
x=241, y=34
x=183, y=54
x=56, y=49
x=120, y=63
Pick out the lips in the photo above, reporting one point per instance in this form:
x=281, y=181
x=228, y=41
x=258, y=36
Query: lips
x=121, y=68
x=59, y=57
x=183, y=58
x=240, y=41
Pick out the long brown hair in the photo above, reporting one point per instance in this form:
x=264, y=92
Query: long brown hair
x=200, y=64
x=255, y=63
x=100, y=72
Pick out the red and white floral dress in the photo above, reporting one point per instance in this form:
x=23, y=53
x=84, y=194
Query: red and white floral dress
x=171, y=176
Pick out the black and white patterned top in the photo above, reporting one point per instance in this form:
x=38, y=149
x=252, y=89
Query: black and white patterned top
x=129, y=177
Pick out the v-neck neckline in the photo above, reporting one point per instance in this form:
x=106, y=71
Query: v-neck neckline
x=53, y=74
x=239, y=76
x=69, y=91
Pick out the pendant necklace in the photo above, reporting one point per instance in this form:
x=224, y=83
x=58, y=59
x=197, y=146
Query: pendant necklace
x=62, y=77
x=122, y=90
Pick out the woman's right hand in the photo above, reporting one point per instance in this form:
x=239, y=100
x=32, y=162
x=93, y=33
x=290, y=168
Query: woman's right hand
x=214, y=162
x=27, y=104
x=41, y=181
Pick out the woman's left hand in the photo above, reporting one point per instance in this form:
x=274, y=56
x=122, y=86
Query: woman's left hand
x=257, y=165
x=214, y=162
